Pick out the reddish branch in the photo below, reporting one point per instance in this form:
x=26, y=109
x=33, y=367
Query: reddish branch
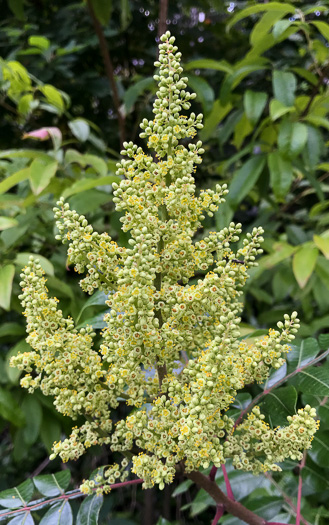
x=163, y=14
x=219, y=513
x=108, y=69
x=75, y=494
x=300, y=486
x=233, y=507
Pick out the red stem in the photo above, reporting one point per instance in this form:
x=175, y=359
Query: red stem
x=300, y=486
x=218, y=515
x=76, y=494
x=229, y=490
x=212, y=474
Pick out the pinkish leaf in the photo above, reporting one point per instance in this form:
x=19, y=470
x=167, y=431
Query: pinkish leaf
x=43, y=134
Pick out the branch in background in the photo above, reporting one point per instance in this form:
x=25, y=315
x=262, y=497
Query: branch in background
x=40, y=468
x=300, y=486
x=109, y=70
x=163, y=14
x=212, y=474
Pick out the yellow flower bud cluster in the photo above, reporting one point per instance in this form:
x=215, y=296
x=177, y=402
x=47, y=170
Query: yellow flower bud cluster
x=88, y=250
x=255, y=447
x=105, y=477
x=171, y=348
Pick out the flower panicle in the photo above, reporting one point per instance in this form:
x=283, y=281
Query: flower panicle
x=171, y=346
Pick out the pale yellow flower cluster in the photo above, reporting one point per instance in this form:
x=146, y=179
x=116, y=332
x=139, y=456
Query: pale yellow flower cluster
x=171, y=347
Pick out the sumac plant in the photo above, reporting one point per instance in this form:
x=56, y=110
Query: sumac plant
x=171, y=349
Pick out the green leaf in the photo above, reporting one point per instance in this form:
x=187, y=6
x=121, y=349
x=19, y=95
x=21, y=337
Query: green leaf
x=279, y=404
x=6, y=282
x=217, y=114
x=320, y=449
x=89, y=510
x=204, y=92
x=317, y=121
x=53, y=96
x=26, y=104
x=324, y=341
x=18, y=496
x=311, y=380
x=14, y=329
x=135, y=90
x=88, y=201
x=52, y=485
x=22, y=259
x=39, y=41
x=313, y=147
x=280, y=27
x=103, y=10
x=163, y=521
x=58, y=514
x=266, y=506
x=281, y=174
x=182, y=487
x=88, y=184
x=323, y=28
x=230, y=123
x=277, y=109
x=7, y=222
x=303, y=353
x=245, y=179
x=80, y=129
x=98, y=164
x=243, y=483
x=33, y=415
x=323, y=244
x=264, y=25
x=284, y=87
x=97, y=322
x=17, y=7
x=208, y=63
x=241, y=130
x=284, y=8
x=303, y=263
x=41, y=172
x=22, y=519
x=14, y=179
x=306, y=74
x=292, y=138
x=254, y=104
x=98, y=298
x=50, y=431
x=10, y=410
x=243, y=69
